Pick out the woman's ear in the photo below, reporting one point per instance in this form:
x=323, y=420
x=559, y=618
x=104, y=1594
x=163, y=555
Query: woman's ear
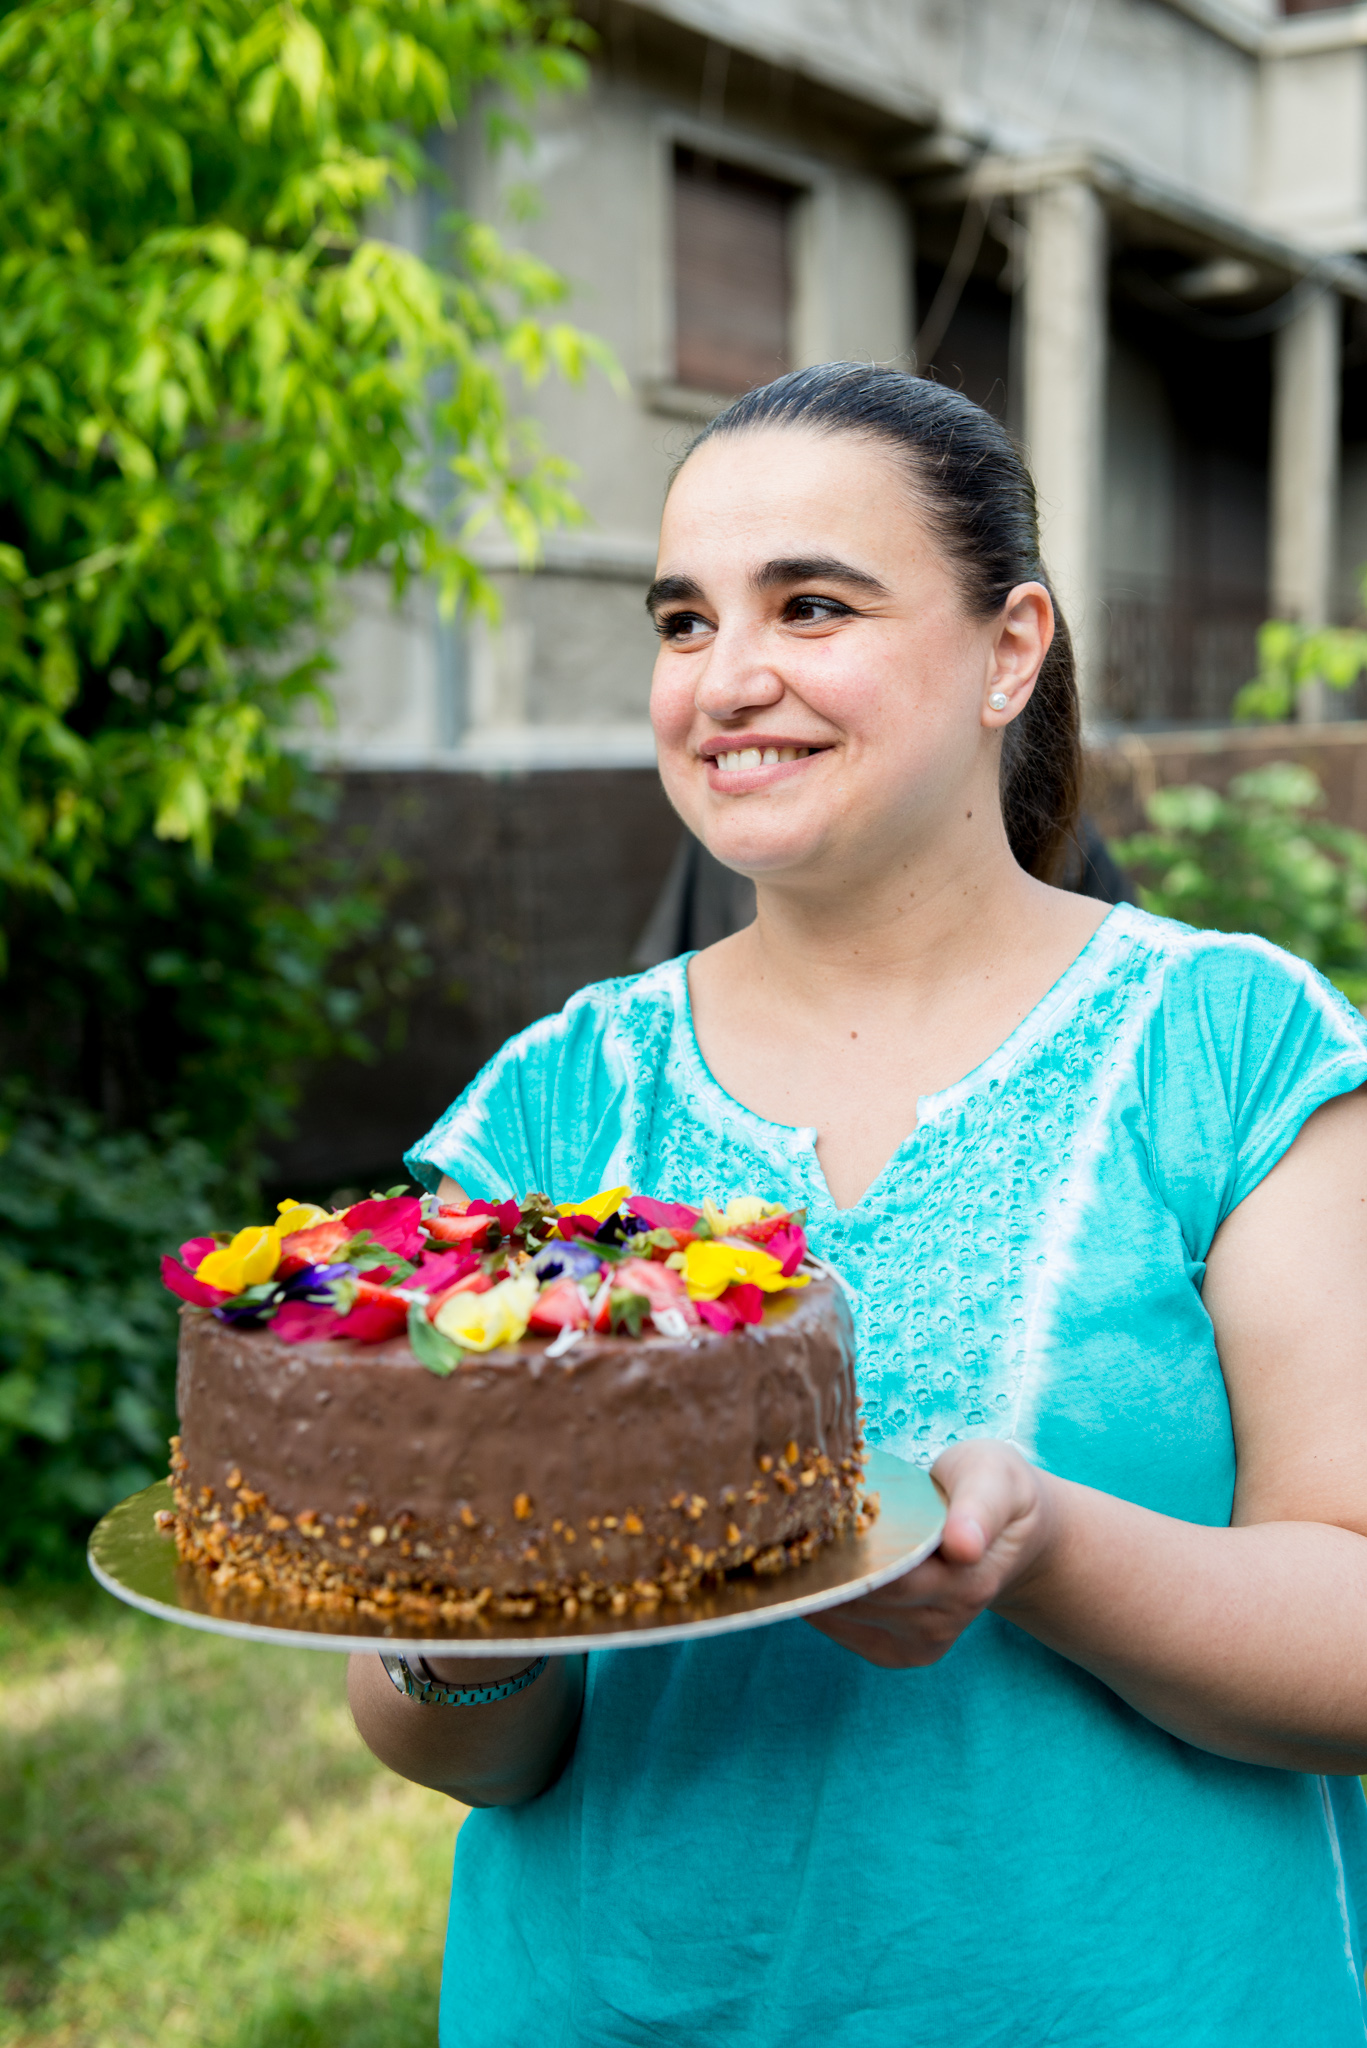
x=1025, y=632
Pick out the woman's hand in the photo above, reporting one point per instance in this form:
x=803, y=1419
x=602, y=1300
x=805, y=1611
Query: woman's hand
x=1000, y=1523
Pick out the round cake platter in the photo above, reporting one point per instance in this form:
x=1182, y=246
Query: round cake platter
x=135, y=1562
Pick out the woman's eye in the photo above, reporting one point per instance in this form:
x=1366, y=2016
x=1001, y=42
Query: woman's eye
x=681, y=626
x=814, y=611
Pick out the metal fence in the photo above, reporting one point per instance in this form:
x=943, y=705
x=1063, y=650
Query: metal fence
x=1180, y=658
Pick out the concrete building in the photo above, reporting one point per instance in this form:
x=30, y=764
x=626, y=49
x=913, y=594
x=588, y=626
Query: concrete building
x=1134, y=228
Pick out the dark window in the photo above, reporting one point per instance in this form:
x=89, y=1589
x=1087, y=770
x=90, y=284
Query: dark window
x=732, y=284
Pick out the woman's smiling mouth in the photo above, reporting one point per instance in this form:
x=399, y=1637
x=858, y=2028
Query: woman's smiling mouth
x=757, y=764
x=757, y=757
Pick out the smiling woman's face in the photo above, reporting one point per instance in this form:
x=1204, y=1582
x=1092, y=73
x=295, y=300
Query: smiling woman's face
x=819, y=699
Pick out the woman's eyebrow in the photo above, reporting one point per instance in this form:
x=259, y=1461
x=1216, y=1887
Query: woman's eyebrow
x=672, y=590
x=774, y=575
x=815, y=569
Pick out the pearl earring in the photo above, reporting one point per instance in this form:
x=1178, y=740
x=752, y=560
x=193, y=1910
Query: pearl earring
x=998, y=700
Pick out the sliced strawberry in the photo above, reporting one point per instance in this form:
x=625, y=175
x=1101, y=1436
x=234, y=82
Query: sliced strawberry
x=600, y=1311
x=449, y=1228
x=561, y=1306
x=662, y=1286
x=473, y=1283
x=767, y=1227
x=320, y=1246
x=374, y=1314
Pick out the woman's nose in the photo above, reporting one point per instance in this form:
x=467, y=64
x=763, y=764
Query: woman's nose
x=737, y=675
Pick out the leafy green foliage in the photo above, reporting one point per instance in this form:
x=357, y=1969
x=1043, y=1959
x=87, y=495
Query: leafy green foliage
x=1292, y=656
x=1261, y=860
x=199, y=992
x=218, y=391
x=86, y=1329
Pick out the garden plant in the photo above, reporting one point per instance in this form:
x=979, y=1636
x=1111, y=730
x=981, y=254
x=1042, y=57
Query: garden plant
x=1261, y=858
x=225, y=385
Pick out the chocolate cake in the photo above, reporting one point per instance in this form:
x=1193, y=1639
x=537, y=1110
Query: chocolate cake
x=622, y=1447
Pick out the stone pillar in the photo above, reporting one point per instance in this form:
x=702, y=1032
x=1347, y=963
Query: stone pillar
x=1305, y=472
x=1064, y=378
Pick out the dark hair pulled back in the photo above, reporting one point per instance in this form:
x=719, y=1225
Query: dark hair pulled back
x=979, y=497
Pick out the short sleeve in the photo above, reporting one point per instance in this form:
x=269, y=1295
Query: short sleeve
x=1247, y=1043
x=548, y=1112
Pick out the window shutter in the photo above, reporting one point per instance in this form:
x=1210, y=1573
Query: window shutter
x=732, y=275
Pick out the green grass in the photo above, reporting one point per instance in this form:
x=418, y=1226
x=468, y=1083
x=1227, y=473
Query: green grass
x=195, y=1849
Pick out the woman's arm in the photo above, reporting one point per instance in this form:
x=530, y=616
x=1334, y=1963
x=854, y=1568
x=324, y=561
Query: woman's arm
x=494, y=1755
x=1249, y=1641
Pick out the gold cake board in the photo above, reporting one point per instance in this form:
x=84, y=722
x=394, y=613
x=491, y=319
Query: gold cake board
x=133, y=1560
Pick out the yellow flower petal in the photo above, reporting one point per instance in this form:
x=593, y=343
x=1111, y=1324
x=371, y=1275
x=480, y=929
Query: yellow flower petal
x=299, y=1216
x=599, y=1206
x=481, y=1322
x=252, y=1256
x=709, y=1269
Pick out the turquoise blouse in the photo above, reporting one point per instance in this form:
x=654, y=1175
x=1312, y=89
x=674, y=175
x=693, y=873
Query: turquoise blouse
x=764, y=1842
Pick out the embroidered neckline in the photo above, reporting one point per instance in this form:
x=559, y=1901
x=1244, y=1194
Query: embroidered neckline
x=798, y=1141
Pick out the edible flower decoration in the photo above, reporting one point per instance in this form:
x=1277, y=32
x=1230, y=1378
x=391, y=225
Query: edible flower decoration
x=467, y=1279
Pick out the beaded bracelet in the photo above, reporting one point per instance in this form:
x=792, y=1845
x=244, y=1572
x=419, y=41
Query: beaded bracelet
x=421, y=1685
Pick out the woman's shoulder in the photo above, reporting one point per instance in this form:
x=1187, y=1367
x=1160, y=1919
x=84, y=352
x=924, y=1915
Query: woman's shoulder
x=1239, y=1043
x=1227, y=978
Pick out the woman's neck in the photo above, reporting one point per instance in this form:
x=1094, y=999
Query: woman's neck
x=914, y=928
x=840, y=1010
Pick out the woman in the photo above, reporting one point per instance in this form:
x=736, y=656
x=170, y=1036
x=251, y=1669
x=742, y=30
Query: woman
x=1099, y=1184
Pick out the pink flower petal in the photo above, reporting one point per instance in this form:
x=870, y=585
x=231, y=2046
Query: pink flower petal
x=443, y=1269
x=370, y=1322
x=182, y=1282
x=789, y=1247
x=663, y=1215
x=306, y=1322
x=396, y=1223
x=746, y=1300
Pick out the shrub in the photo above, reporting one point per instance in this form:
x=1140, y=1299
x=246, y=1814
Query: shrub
x=1259, y=859
x=87, y=1333
x=222, y=388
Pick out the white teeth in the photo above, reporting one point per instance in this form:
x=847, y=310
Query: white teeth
x=753, y=757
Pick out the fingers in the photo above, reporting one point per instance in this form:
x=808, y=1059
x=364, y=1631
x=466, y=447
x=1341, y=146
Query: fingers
x=997, y=1524
x=987, y=1486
